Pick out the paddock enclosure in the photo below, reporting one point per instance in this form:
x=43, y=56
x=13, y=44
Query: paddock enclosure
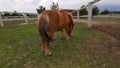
x=88, y=48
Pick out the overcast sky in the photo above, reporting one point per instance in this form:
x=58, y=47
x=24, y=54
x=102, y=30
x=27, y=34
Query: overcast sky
x=31, y=5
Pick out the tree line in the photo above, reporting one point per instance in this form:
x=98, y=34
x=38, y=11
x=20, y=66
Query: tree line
x=95, y=11
x=84, y=11
x=16, y=14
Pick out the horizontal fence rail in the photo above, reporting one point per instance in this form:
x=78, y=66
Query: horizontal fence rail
x=17, y=17
x=24, y=17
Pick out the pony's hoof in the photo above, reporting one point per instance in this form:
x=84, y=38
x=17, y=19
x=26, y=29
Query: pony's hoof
x=68, y=38
x=48, y=53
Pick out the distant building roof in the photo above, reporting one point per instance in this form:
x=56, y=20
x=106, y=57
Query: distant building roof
x=70, y=10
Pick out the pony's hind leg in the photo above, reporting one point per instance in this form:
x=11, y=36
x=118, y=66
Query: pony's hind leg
x=47, y=49
x=43, y=46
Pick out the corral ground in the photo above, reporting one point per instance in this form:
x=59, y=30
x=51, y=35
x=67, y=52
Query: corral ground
x=110, y=26
x=88, y=48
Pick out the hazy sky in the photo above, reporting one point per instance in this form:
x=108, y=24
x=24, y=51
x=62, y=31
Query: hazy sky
x=31, y=5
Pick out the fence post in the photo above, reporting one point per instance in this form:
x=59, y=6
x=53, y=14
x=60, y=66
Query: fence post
x=89, y=15
x=26, y=18
x=78, y=16
x=1, y=21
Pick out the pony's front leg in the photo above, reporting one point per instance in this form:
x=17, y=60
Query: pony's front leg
x=68, y=37
x=67, y=34
x=62, y=34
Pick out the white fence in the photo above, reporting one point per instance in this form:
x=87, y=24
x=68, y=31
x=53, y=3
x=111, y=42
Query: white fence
x=89, y=12
x=11, y=18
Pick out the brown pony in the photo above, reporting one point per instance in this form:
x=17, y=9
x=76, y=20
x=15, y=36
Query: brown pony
x=51, y=21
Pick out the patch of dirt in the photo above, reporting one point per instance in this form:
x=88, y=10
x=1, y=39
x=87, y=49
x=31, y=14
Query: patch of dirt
x=111, y=29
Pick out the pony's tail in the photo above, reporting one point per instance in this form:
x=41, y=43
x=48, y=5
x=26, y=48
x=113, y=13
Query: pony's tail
x=43, y=27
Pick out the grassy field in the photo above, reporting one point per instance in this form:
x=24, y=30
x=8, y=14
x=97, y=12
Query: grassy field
x=115, y=21
x=108, y=20
x=88, y=48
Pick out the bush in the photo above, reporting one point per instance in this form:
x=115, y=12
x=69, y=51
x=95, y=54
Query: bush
x=105, y=12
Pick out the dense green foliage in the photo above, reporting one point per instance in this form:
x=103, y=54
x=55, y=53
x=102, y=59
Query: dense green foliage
x=83, y=11
x=95, y=10
x=105, y=11
x=12, y=14
x=40, y=9
x=54, y=6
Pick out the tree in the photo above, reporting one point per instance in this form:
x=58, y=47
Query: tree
x=95, y=10
x=12, y=14
x=116, y=12
x=83, y=11
x=54, y=6
x=7, y=14
x=105, y=12
x=16, y=14
x=40, y=9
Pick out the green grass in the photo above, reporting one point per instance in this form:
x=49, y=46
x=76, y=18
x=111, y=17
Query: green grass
x=20, y=48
